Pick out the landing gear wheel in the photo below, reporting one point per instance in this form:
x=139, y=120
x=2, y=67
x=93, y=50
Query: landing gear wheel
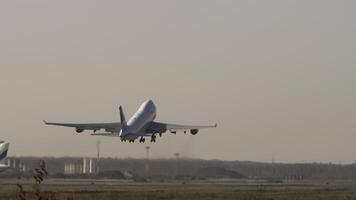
x=153, y=138
x=142, y=140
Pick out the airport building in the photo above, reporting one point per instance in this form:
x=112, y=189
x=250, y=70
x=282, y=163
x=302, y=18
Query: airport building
x=84, y=166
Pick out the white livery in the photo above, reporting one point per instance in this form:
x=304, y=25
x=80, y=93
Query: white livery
x=139, y=126
x=4, y=148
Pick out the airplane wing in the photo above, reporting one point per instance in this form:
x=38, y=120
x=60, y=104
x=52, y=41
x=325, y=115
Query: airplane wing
x=157, y=127
x=187, y=127
x=109, y=127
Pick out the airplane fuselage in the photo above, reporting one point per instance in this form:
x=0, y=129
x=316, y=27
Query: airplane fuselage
x=3, y=150
x=3, y=153
x=139, y=122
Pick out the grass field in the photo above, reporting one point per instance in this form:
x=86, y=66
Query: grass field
x=195, y=191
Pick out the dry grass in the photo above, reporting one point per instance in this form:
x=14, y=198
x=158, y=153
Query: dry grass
x=130, y=191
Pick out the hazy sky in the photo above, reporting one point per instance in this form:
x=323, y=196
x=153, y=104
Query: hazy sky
x=279, y=77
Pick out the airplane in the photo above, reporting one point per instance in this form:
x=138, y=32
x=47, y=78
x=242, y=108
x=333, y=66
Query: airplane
x=4, y=147
x=140, y=125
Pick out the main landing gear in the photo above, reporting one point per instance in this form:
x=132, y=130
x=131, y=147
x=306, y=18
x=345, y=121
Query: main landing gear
x=124, y=140
x=142, y=140
x=153, y=138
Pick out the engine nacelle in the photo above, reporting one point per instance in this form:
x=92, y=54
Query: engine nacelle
x=78, y=130
x=194, y=131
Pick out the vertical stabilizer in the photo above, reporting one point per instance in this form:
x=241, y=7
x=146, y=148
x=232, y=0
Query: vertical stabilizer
x=122, y=117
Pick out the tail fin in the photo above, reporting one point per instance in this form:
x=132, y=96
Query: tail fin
x=122, y=116
x=4, y=147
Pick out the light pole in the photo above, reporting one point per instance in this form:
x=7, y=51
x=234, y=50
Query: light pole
x=148, y=152
x=147, y=167
x=98, y=143
x=177, y=159
x=177, y=155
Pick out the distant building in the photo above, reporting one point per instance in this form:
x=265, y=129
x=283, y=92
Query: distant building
x=79, y=167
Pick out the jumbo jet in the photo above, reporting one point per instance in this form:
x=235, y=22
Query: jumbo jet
x=4, y=148
x=139, y=126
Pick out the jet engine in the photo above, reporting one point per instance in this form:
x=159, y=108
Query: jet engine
x=78, y=130
x=194, y=131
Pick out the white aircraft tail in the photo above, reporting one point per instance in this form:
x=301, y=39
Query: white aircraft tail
x=4, y=147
